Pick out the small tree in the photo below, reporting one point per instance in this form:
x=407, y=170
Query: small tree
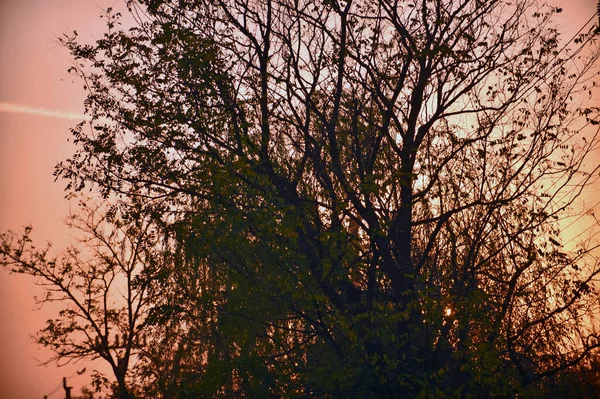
x=101, y=285
x=86, y=393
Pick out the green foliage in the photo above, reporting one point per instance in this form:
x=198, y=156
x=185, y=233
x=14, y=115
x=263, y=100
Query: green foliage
x=349, y=195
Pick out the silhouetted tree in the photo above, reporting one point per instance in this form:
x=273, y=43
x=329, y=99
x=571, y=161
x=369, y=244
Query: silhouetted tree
x=101, y=285
x=362, y=198
x=581, y=381
x=86, y=393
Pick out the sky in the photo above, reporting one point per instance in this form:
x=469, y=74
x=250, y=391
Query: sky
x=39, y=103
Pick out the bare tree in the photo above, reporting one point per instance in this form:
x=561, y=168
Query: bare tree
x=101, y=284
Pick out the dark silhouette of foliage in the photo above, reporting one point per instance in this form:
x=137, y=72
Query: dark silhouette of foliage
x=355, y=198
x=582, y=381
x=358, y=186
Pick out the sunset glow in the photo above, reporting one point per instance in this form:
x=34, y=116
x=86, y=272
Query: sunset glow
x=42, y=108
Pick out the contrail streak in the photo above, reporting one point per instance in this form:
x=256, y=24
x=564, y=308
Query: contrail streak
x=24, y=109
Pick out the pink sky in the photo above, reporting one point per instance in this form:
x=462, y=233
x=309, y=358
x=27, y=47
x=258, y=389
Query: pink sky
x=33, y=75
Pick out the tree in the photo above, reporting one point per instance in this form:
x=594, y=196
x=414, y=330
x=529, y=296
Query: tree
x=103, y=289
x=582, y=381
x=367, y=194
x=86, y=393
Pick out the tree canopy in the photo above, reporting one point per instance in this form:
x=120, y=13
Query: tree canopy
x=354, y=198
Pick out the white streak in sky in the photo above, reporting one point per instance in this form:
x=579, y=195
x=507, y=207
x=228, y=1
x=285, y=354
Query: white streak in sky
x=24, y=109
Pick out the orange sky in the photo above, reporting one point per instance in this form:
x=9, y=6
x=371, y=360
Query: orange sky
x=33, y=75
